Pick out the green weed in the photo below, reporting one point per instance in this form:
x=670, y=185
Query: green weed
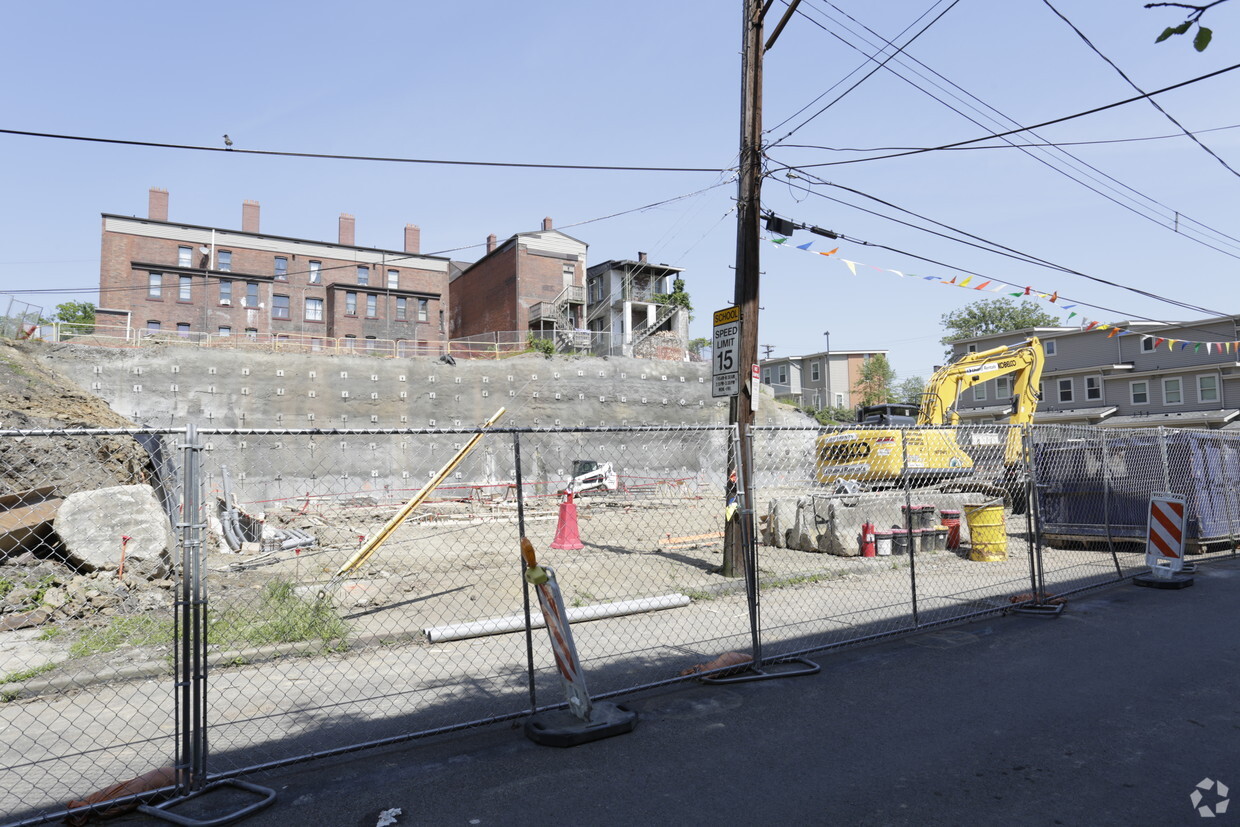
x=138, y=630
x=280, y=617
x=25, y=675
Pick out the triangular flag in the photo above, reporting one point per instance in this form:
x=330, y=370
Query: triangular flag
x=1183, y=345
x=998, y=288
x=804, y=246
x=1171, y=343
x=1055, y=297
x=953, y=281
x=1073, y=313
x=966, y=281
x=898, y=273
x=930, y=278
x=982, y=285
x=1016, y=295
x=1067, y=306
x=1197, y=347
x=833, y=252
x=1027, y=289
x=1159, y=341
x=779, y=240
x=1114, y=330
x=852, y=265
x=1091, y=325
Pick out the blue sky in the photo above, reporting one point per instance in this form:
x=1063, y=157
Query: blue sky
x=633, y=84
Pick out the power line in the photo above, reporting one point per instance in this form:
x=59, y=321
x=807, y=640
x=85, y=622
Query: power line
x=868, y=75
x=1000, y=249
x=1041, y=125
x=1130, y=82
x=1009, y=145
x=1171, y=220
x=390, y=160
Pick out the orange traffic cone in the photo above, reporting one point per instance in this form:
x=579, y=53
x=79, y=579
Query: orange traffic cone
x=566, y=534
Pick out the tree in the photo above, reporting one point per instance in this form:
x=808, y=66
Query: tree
x=678, y=297
x=80, y=315
x=875, y=382
x=910, y=390
x=1203, y=35
x=992, y=316
x=696, y=346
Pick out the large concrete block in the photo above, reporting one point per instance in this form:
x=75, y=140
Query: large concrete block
x=92, y=524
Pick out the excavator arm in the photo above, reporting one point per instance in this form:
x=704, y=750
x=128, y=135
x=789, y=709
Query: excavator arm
x=1024, y=362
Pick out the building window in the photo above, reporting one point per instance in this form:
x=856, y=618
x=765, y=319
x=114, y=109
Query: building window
x=225, y=292
x=1065, y=390
x=185, y=257
x=401, y=308
x=1173, y=391
x=183, y=329
x=185, y=290
x=152, y=326
x=371, y=344
x=596, y=290
x=225, y=330
x=423, y=308
x=979, y=392
x=316, y=272
x=279, y=307
x=766, y=376
x=363, y=274
x=839, y=400
x=350, y=341
x=815, y=371
x=1048, y=347
x=155, y=286
x=968, y=349
x=1207, y=389
x=1093, y=388
x=393, y=279
x=252, y=332
x=314, y=310
x=782, y=371
x=316, y=345
x=1147, y=344
x=281, y=268
x=1139, y=392
x=350, y=304
x=1003, y=387
x=372, y=306
x=251, y=294
x=223, y=261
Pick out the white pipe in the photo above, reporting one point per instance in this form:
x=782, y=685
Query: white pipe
x=516, y=623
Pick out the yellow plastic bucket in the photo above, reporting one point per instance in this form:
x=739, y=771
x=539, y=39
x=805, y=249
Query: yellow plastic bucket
x=987, y=533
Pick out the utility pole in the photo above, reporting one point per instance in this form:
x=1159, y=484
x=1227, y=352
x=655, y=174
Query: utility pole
x=748, y=223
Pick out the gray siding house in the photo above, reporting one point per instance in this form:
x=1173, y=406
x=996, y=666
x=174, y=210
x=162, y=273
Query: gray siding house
x=1182, y=374
x=817, y=380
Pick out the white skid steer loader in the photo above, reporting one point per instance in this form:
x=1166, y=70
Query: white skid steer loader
x=589, y=475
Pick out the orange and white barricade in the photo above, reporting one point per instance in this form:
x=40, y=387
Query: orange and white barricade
x=1164, y=544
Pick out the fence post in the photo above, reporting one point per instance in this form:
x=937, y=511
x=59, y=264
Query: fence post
x=908, y=522
x=525, y=586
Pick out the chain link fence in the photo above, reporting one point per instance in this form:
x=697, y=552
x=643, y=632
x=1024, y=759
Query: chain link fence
x=258, y=591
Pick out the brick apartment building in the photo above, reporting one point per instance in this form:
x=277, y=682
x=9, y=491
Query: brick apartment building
x=160, y=276
x=532, y=283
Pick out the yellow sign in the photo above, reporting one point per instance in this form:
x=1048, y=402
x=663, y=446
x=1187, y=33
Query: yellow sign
x=727, y=316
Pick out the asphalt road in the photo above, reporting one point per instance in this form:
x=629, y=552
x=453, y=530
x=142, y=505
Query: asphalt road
x=1111, y=713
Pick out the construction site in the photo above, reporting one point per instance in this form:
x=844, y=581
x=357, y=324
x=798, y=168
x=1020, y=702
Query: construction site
x=326, y=550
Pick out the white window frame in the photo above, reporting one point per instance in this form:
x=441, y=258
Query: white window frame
x=1167, y=383
x=766, y=376
x=1060, y=386
x=185, y=256
x=223, y=261
x=1147, y=344
x=1003, y=387
x=815, y=371
x=393, y=281
x=1049, y=347
x=1132, y=392
x=980, y=392
x=1201, y=398
x=783, y=374
x=1093, y=394
x=314, y=310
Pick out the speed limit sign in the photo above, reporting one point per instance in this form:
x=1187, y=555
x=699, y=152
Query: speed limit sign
x=725, y=368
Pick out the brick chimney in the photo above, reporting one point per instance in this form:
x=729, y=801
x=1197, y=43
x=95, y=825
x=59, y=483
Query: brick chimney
x=491, y=243
x=249, y=216
x=413, y=238
x=547, y=223
x=157, y=205
x=641, y=257
x=347, y=224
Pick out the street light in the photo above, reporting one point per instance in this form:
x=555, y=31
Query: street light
x=827, y=367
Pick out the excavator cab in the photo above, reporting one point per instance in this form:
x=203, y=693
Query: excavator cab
x=888, y=413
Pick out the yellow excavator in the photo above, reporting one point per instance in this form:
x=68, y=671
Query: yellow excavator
x=920, y=443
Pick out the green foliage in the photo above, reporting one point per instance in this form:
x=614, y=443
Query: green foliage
x=79, y=314
x=678, y=297
x=831, y=416
x=910, y=390
x=875, y=382
x=696, y=346
x=281, y=617
x=993, y=316
x=25, y=675
x=543, y=346
x=135, y=630
x=1200, y=40
x=6, y=586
